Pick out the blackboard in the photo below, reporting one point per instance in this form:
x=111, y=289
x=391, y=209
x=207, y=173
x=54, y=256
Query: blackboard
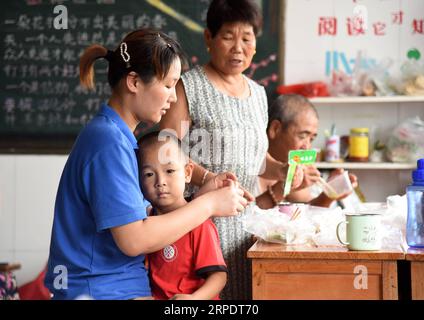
x=41, y=102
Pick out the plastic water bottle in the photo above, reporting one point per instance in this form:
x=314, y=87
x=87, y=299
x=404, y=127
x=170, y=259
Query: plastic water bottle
x=415, y=195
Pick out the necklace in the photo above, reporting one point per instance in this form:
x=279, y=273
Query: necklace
x=232, y=89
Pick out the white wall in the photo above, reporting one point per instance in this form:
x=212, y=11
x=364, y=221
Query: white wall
x=306, y=49
x=381, y=118
x=28, y=185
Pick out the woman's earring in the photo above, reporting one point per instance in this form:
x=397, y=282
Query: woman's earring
x=254, y=52
x=208, y=49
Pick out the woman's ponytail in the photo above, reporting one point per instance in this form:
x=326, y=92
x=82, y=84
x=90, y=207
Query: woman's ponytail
x=86, y=66
x=147, y=52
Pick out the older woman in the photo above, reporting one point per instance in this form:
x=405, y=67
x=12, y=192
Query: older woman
x=227, y=116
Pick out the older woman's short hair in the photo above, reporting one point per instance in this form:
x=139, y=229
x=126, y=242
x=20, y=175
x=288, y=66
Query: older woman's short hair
x=228, y=11
x=287, y=107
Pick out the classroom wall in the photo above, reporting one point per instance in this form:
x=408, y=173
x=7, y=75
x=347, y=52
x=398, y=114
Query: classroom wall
x=28, y=185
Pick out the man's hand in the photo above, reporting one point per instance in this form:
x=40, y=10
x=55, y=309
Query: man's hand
x=299, y=177
x=310, y=176
x=353, y=180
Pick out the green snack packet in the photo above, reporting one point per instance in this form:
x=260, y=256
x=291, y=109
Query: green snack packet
x=296, y=157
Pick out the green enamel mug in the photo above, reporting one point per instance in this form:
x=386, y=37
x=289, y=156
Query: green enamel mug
x=363, y=231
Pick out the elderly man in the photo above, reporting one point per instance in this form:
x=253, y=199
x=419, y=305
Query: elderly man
x=293, y=125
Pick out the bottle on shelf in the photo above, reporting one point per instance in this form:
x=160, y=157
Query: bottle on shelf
x=415, y=196
x=358, y=145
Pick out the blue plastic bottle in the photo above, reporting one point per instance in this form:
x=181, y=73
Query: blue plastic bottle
x=415, y=195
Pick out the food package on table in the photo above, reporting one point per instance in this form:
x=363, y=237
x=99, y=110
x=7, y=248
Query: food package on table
x=316, y=226
x=274, y=226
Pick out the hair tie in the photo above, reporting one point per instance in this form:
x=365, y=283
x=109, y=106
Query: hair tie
x=124, y=54
x=109, y=55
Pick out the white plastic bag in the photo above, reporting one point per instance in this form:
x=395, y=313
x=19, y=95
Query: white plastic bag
x=406, y=144
x=317, y=225
x=273, y=226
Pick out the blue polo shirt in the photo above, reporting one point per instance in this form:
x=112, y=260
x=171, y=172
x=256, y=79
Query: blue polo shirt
x=99, y=189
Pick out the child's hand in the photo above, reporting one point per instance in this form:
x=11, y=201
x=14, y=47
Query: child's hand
x=181, y=296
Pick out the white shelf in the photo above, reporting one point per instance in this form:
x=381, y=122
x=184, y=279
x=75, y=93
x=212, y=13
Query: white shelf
x=345, y=100
x=366, y=165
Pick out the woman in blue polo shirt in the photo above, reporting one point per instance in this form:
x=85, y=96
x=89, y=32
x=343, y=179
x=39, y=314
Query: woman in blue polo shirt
x=100, y=229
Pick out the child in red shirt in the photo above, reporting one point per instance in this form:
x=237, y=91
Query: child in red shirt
x=192, y=267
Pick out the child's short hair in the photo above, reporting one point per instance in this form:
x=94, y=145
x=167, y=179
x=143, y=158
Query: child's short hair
x=160, y=136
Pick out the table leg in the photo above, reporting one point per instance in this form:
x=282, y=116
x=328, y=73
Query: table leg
x=417, y=280
x=390, y=281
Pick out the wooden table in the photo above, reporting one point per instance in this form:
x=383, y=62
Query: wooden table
x=306, y=272
x=416, y=257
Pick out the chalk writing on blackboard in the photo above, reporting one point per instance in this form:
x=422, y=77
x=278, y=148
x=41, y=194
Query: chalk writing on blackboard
x=39, y=77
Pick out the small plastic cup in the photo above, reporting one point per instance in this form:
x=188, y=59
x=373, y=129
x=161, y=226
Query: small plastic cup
x=340, y=184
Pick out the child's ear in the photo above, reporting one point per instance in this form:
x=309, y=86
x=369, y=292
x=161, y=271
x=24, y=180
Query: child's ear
x=188, y=169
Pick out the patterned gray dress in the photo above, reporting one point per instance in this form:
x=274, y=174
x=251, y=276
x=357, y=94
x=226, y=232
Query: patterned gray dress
x=229, y=134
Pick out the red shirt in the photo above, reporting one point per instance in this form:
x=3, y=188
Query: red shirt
x=183, y=266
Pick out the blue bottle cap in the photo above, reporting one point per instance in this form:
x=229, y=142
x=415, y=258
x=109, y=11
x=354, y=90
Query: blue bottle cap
x=418, y=175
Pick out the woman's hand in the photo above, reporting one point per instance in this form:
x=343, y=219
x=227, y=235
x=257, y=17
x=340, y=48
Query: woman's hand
x=216, y=181
x=228, y=200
